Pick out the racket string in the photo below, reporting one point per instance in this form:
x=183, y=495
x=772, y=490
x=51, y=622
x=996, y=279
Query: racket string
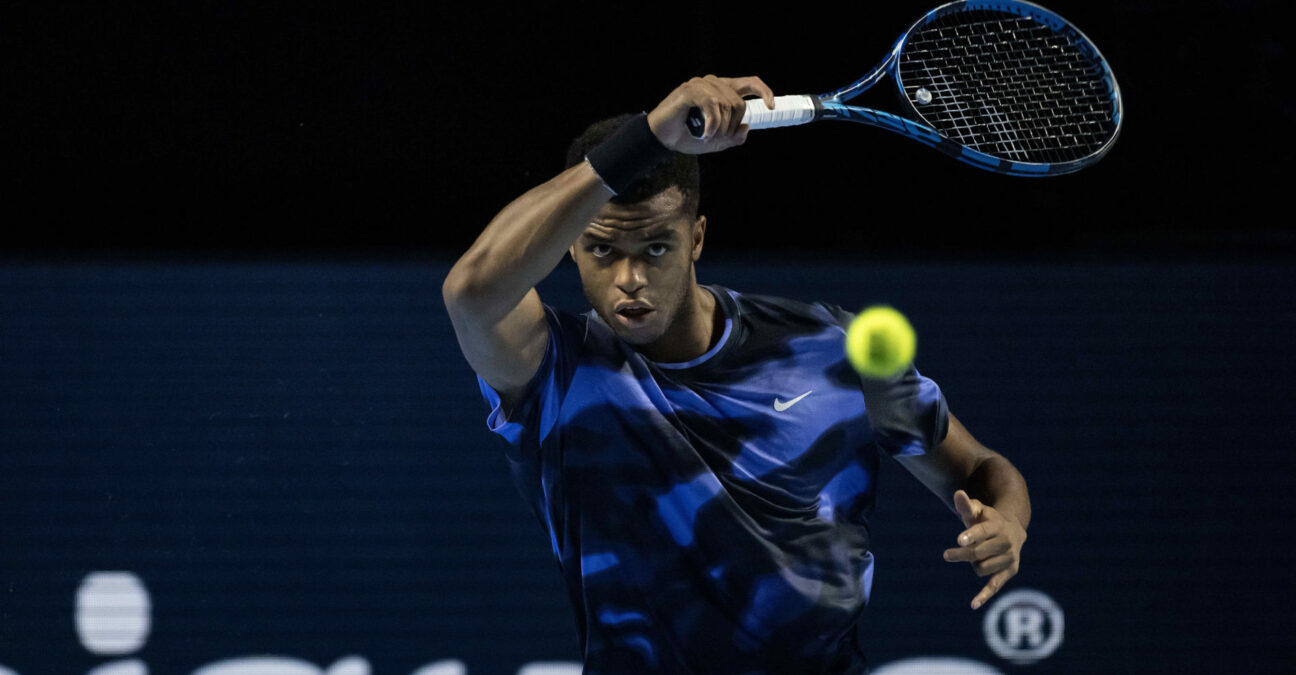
x=1010, y=87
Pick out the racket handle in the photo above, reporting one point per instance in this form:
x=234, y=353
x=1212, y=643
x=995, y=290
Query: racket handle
x=788, y=111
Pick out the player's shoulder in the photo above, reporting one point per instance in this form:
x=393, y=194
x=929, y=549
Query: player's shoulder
x=571, y=331
x=773, y=310
x=565, y=318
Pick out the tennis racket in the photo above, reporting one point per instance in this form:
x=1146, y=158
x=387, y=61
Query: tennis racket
x=1003, y=85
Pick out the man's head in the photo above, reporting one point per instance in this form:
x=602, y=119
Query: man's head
x=636, y=257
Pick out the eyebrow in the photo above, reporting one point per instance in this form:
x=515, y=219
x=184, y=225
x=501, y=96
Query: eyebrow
x=659, y=234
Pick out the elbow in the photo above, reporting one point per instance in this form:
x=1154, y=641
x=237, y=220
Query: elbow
x=462, y=284
x=454, y=289
x=468, y=291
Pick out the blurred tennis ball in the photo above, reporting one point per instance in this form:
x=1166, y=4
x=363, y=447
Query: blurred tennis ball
x=880, y=343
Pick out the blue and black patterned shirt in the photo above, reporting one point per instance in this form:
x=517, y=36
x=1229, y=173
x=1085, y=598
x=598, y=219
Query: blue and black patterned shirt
x=712, y=516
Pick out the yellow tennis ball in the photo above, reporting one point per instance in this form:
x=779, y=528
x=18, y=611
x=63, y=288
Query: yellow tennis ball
x=880, y=343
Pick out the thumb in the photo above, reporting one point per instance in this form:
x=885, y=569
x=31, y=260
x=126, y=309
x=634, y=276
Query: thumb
x=968, y=511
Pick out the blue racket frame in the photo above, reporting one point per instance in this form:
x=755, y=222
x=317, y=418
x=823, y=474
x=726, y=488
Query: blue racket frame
x=831, y=106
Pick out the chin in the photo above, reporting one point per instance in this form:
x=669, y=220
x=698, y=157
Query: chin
x=638, y=339
x=638, y=336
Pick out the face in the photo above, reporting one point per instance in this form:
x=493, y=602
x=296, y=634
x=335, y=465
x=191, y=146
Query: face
x=636, y=264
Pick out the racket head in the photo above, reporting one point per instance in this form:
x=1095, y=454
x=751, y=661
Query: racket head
x=1016, y=87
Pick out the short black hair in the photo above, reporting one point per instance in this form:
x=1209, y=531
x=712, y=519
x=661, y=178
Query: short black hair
x=682, y=170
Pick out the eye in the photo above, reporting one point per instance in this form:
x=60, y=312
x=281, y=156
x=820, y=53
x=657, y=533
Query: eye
x=657, y=250
x=600, y=250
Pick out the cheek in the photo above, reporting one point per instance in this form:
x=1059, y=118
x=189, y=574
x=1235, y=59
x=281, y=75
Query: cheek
x=680, y=267
x=597, y=282
x=588, y=270
x=672, y=276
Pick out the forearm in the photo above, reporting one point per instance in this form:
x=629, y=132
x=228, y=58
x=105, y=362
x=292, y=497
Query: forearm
x=997, y=483
x=526, y=241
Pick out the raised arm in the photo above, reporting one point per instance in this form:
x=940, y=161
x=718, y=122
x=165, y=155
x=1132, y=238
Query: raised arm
x=490, y=292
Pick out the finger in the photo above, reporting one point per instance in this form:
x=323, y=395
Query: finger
x=689, y=96
x=968, y=509
x=977, y=533
x=960, y=555
x=715, y=93
x=996, y=583
x=748, y=86
x=710, y=116
x=993, y=547
x=979, y=553
x=992, y=565
x=739, y=112
x=733, y=102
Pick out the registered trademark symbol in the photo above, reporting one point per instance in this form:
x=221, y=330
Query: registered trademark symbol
x=1024, y=626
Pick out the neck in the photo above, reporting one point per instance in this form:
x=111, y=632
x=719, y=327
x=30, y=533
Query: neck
x=696, y=328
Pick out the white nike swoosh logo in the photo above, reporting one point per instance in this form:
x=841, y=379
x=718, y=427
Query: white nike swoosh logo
x=780, y=406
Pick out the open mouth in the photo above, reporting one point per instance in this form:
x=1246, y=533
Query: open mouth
x=633, y=312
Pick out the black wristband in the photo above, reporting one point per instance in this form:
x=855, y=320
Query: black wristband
x=627, y=154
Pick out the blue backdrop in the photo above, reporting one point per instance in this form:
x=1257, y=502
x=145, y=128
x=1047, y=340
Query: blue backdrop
x=291, y=457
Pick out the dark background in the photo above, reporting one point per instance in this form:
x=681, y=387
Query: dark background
x=225, y=367
x=294, y=459
x=398, y=129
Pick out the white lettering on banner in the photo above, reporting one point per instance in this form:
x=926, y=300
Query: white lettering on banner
x=551, y=668
x=446, y=667
x=279, y=665
x=113, y=617
x=130, y=667
x=1024, y=626
x=112, y=613
x=935, y=665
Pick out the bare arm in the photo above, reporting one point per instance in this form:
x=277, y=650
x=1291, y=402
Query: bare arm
x=490, y=292
x=960, y=462
x=988, y=494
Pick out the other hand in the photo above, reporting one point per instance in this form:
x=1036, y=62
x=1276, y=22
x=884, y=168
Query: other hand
x=992, y=542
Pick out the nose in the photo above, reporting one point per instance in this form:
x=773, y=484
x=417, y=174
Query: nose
x=630, y=278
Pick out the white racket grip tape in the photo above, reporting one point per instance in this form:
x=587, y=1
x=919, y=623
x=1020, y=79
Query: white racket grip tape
x=788, y=111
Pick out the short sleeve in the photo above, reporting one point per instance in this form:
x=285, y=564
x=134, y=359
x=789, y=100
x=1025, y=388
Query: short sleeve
x=908, y=413
x=532, y=420
x=536, y=412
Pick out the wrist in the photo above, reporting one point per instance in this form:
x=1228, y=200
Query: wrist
x=1010, y=515
x=655, y=122
x=626, y=155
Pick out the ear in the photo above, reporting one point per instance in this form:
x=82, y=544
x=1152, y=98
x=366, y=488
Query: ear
x=571, y=251
x=699, y=234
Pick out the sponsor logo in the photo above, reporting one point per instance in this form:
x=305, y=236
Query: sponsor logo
x=780, y=406
x=114, y=616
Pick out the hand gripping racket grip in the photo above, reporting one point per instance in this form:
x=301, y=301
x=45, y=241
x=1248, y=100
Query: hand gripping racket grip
x=788, y=111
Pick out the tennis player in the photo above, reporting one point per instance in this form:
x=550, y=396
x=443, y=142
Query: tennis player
x=703, y=460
